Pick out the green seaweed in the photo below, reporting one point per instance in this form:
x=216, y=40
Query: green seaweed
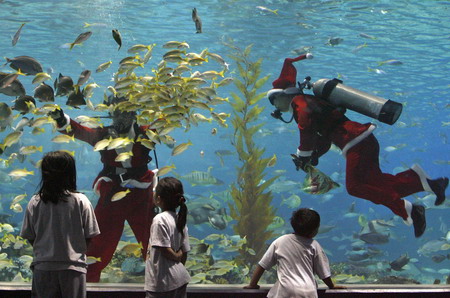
x=252, y=207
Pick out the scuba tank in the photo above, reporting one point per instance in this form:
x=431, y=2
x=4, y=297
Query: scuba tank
x=336, y=93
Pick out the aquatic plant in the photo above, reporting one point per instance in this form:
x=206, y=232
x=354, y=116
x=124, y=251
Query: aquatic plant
x=204, y=268
x=252, y=207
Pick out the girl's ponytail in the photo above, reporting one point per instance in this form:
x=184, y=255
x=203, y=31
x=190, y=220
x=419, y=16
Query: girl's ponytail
x=182, y=215
x=170, y=190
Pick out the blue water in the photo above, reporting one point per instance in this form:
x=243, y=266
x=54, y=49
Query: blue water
x=413, y=32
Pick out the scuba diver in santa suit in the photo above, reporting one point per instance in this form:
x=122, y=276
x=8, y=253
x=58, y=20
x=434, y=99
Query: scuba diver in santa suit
x=322, y=124
x=131, y=175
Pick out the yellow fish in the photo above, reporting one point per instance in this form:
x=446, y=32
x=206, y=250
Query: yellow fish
x=18, y=198
x=29, y=149
x=124, y=156
x=197, y=117
x=12, y=138
x=181, y=148
x=132, y=248
x=89, y=89
x=16, y=208
x=146, y=143
x=41, y=77
x=120, y=195
x=165, y=170
x=139, y=48
x=70, y=152
x=63, y=139
x=38, y=130
x=265, y=9
x=175, y=44
x=119, y=143
x=272, y=161
x=20, y=173
x=41, y=121
x=102, y=144
x=103, y=66
x=91, y=260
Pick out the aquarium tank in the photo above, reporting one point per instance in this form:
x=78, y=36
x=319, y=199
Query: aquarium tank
x=198, y=72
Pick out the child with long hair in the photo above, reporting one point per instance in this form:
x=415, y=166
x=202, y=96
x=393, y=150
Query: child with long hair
x=58, y=223
x=165, y=274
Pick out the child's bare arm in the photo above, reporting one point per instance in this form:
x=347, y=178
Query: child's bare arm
x=331, y=284
x=183, y=257
x=170, y=254
x=255, y=278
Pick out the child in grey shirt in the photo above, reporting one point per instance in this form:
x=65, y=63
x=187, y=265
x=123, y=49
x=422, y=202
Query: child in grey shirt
x=58, y=222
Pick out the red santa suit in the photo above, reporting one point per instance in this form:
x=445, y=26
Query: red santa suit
x=136, y=207
x=321, y=125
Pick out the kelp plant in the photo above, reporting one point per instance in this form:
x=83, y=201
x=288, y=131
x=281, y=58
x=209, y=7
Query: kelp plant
x=252, y=207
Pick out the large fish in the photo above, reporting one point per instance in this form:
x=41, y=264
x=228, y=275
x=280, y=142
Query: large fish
x=433, y=246
x=15, y=88
x=208, y=214
x=282, y=185
x=6, y=116
x=24, y=104
x=63, y=85
x=44, y=93
x=8, y=80
x=201, y=178
x=26, y=64
x=398, y=264
x=317, y=182
x=374, y=238
x=76, y=99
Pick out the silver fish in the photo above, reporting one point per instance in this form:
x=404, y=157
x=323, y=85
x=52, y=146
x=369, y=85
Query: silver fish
x=16, y=36
x=84, y=76
x=81, y=38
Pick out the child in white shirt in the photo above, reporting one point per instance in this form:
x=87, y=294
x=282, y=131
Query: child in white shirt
x=165, y=274
x=298, y=257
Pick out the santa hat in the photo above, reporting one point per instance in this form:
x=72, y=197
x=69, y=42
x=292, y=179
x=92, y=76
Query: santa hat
x=287, y=80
